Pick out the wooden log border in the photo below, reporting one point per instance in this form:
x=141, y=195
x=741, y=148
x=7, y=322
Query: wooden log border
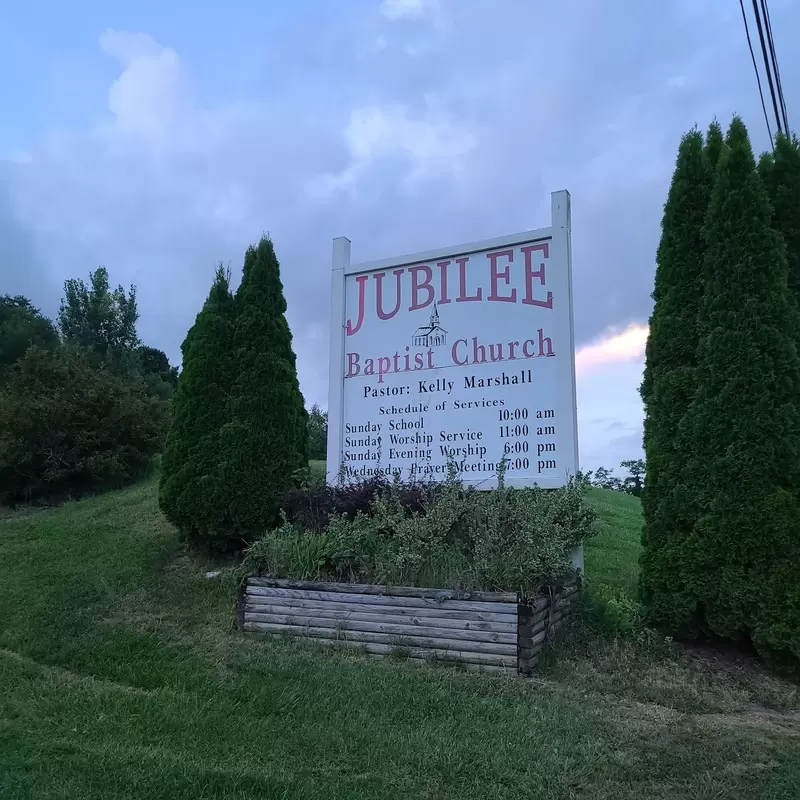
x=482, y=631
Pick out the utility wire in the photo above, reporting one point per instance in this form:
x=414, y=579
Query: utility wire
x=766, y=64
x=775, y=67
x=758, y=77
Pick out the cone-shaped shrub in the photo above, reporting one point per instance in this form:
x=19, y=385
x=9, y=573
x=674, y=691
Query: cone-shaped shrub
x=714, y=144
x=668, y=387
x=781, y=174
x=190, y=493
x=265, y=441
x=744, y=421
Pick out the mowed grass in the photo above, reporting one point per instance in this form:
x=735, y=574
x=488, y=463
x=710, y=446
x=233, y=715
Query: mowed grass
x=612, y=556
x=121, y=677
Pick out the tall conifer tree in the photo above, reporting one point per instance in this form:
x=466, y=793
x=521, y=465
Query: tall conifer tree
x=781, y=174
x=744, y=421
x=669, y=384
x=190, y=493
x=265, y=441
x=715, y=140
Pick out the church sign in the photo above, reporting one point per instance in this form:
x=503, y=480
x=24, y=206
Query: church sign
x=461, y=357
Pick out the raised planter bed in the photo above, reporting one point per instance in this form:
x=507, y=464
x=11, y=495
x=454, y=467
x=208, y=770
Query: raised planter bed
x=485, y=631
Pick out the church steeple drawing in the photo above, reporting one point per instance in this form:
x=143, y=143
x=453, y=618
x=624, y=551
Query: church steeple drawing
x=432, y=334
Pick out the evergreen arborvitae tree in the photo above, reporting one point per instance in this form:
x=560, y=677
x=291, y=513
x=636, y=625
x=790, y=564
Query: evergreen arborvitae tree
x=265, y=441
x=668, y=386
x=190, y=492
x=781, y=174
x=745, y=420
x=714, y=144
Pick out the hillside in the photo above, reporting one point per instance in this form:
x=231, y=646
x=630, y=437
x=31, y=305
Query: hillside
x=122, y=678
x=612, y=557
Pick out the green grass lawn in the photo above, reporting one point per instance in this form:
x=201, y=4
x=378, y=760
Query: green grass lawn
x=612, y=557
x=121, y=677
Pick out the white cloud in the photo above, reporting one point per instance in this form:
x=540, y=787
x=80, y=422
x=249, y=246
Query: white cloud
x=432, y=143
x=408, y=9
x=149, y=95
x=464, y=141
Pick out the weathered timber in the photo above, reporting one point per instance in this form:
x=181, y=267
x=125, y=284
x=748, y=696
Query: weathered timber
x=508, y=651
x=539, y=637
x=241, y=605
x=542, y=624
x=390, y=591
x=506, y=627
x=382, y=600
x=492, y=631
x=433, y=654
x=506, y=620
x=508, y=639
x=561, y=605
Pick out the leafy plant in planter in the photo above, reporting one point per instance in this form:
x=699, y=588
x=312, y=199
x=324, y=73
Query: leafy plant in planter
x=440, y=536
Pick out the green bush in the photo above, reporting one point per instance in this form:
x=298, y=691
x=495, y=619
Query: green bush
x=317, y=433
x=22, y=326
x=745, y=423
x=69, y=427
x=264, y=441
x=289, y=551
x=191, y=494
x=505, y=539
x=780, y=172
x=669, y=502
x=620, y=614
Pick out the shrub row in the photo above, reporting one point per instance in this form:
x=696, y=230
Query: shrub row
x=441, y=536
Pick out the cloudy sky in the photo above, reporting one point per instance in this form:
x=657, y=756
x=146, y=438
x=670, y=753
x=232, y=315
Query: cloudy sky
x=161, y=140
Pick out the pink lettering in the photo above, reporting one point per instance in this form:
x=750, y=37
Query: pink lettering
x=361, y=280
x=443, y=298
x=542, y=340
x=454, y=353
x=504, y=274
x=462, y=274
x=384, y=366
x=478, y=352
x=379, y=276
x=353, y=367
x=416, y=287
x=531, y=274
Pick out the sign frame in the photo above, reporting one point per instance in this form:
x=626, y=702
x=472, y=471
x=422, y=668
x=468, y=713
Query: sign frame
x=558, y=234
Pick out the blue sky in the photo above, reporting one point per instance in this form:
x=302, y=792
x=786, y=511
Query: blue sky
x=159, y=139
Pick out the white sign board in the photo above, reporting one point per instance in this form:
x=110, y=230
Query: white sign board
x=463, y=356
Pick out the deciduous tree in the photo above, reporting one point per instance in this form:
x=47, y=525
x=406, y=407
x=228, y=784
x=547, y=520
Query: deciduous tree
x=69, y=426
x=99, y=319
x=317, y=433
x=22, y=325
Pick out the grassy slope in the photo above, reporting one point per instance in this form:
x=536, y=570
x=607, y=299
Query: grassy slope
x=612, y=557
x=120, y=677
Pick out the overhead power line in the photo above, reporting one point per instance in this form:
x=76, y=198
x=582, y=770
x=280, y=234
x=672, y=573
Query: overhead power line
x=775, y=67
x=766, y=64
x=755, y=67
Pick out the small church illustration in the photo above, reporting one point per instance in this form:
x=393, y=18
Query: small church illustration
x=432, y=334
